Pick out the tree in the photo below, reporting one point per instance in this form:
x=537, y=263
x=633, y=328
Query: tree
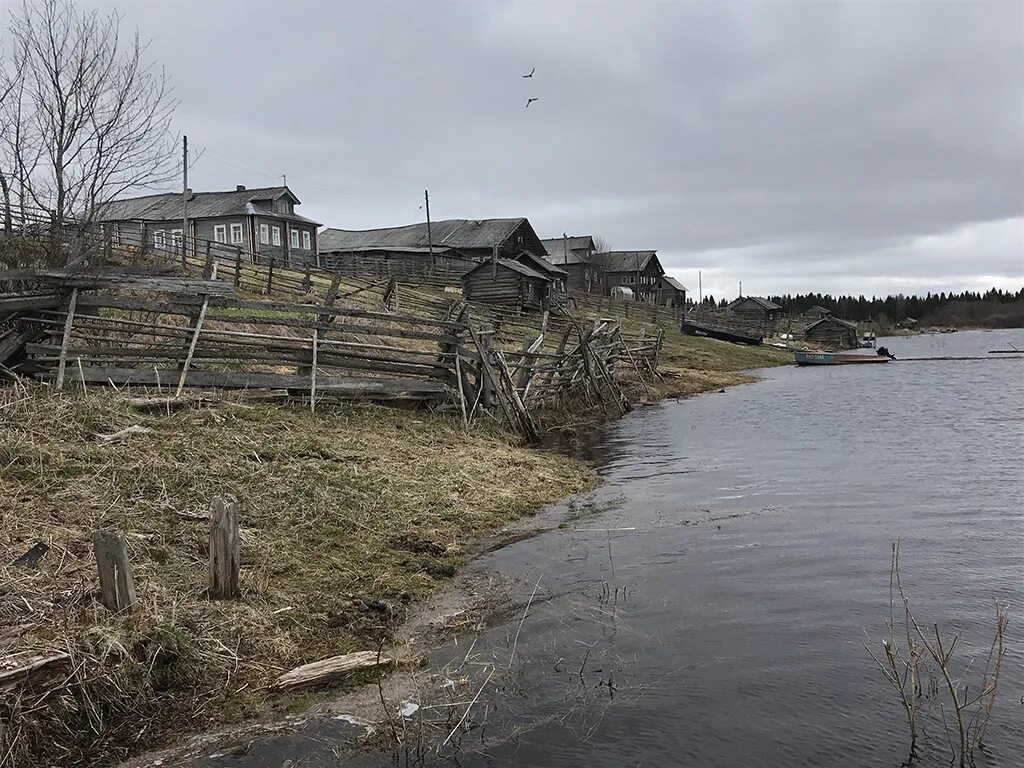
x=601, y=245
x=91, y=119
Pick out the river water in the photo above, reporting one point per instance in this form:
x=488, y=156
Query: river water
x=710, y=607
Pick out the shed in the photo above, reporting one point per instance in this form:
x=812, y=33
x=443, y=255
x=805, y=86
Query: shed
x=671, y=293
x=507, y=282
x=817, y=312
x=756, y=311
x=832, y=332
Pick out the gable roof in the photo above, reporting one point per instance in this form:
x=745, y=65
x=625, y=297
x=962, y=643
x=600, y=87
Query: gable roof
x=830, y=319
x=455, y=233
x=541, y=265
x=674, y=283
x=819, y=309
x=515, y=266
x=569, y=250
x=624, y=261
x=763, y=303
x=166, y=206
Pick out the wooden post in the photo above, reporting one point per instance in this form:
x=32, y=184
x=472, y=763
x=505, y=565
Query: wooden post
x=117, y=588
x=307, y=283
x=224, y=558
x=192, y=345
x=312, y=374
x=143, y=242
x=62, y=360
x=238, y=266
x=270, y=276
x=486, y=385
x=208, y=264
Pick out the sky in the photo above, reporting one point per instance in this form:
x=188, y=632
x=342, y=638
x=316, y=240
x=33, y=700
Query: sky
x=841, y=147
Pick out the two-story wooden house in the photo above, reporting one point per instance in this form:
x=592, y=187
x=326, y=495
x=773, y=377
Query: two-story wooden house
x=640, y=271
x=575, y=256
x=261, y=222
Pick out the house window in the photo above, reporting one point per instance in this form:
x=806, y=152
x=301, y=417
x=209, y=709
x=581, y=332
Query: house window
x=176, y=238
x=160, y=238
x=632, y=279
x=295, y=238
x=277, y=235
x=265, y=234
x=306, y=241
x=236, y=234
x=220, y=233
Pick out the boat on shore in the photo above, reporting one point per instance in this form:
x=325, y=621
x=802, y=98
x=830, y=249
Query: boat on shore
x=840, y=358
x=720, y=332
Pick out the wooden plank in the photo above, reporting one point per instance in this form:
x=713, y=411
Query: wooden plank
x=68, y=322
x=14, y=670
x=117, y=587
x=312, y=374
x=192, y=346
x=224, y=548
x=19, y=303
x=327, y=670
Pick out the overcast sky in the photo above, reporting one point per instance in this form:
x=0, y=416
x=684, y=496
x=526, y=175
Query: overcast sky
x=861, y=147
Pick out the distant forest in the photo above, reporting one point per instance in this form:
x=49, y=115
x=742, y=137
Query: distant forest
x=992, y=309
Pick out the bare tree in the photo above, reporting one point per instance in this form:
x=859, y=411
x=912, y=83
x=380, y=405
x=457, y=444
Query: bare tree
x=92, y=118
x=601, y=245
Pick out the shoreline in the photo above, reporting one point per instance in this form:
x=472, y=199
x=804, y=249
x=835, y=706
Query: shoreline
x=511, y=470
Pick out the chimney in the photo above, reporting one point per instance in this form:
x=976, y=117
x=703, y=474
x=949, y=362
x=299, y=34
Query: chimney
x=240, y=188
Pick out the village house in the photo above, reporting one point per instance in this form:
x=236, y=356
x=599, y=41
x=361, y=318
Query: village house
x=670, y=292
x=457, y=244
x=261, y=222
x=640, y=271
x=756, y=311
x=816, y=312
x=832, y=332
x=510, y=282
x=574, y=255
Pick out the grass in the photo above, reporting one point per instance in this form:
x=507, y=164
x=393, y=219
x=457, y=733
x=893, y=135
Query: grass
x=346, y=515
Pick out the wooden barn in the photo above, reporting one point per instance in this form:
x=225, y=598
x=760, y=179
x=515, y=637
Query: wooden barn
x=756, y=311
x=817, y=312
x=832, y=332
x=507, y=282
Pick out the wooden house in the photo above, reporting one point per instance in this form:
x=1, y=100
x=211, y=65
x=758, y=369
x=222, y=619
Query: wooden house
x=553, y=272
x=757, y=312
x=671, y=293
x=509, y=282
x=575, y=256
x=832, y=332
x=639, y=271
x=816, y=312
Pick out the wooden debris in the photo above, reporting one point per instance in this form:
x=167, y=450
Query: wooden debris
x=327, y=670
x=32, y=556
x=117, y=586
x=224, y=549
x=14, y=670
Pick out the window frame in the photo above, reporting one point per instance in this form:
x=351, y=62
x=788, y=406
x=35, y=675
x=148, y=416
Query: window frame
x=275, y=236
x=160, y=238
x=295, y=238
x=264, y=234
x=236, y=227
x=176, y=238
x=220, y=233
x=307, y=241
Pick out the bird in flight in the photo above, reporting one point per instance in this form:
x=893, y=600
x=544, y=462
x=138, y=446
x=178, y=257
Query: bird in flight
x=531, y=72
x=530, y=101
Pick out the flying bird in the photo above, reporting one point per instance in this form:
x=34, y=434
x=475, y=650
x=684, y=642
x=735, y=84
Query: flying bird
x=530, y=101
x=531, y=72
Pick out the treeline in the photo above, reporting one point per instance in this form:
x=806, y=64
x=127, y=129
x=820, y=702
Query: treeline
x=994, y=309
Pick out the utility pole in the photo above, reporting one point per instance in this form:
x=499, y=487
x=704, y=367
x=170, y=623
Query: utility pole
x=430, y=239
x=565, y=255
x=184, y=195
x=741, y=289
x=700, y=288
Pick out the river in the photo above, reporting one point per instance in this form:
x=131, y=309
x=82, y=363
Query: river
x=710, y=608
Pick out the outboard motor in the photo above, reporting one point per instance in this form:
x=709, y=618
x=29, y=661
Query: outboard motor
x=884, y=352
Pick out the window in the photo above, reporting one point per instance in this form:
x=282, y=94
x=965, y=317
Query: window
x=220, y=233
x=632, y=279
x=306, y=241
x=176, y=238
x=295, y=238
x=160, y=239
x=277, y=235
x=236, y=234
x=265, y=234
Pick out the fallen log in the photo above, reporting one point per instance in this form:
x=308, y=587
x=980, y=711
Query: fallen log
x=327, y=670
x=13, y=671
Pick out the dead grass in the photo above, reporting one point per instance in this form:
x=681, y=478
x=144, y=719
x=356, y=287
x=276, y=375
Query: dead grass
x=350, y=515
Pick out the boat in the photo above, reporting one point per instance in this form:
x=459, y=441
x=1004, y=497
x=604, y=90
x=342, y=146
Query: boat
x=720, y=332
x=839, y=358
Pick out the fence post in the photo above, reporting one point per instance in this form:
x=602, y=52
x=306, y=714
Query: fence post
x=307, y=284
x=270, y=276
x=224, y=560
x=143, y=242
x=486, y=387
x=117, y=588
x=238, y=266
x=62, y=359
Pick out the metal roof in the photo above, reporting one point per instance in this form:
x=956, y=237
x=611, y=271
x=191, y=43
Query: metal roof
x=201, y=205
x=674, y=283
x=455, y=233
x=569, y=250
x=623, y=261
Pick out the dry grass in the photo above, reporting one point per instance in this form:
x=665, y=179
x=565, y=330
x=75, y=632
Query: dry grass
x=349, y=516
